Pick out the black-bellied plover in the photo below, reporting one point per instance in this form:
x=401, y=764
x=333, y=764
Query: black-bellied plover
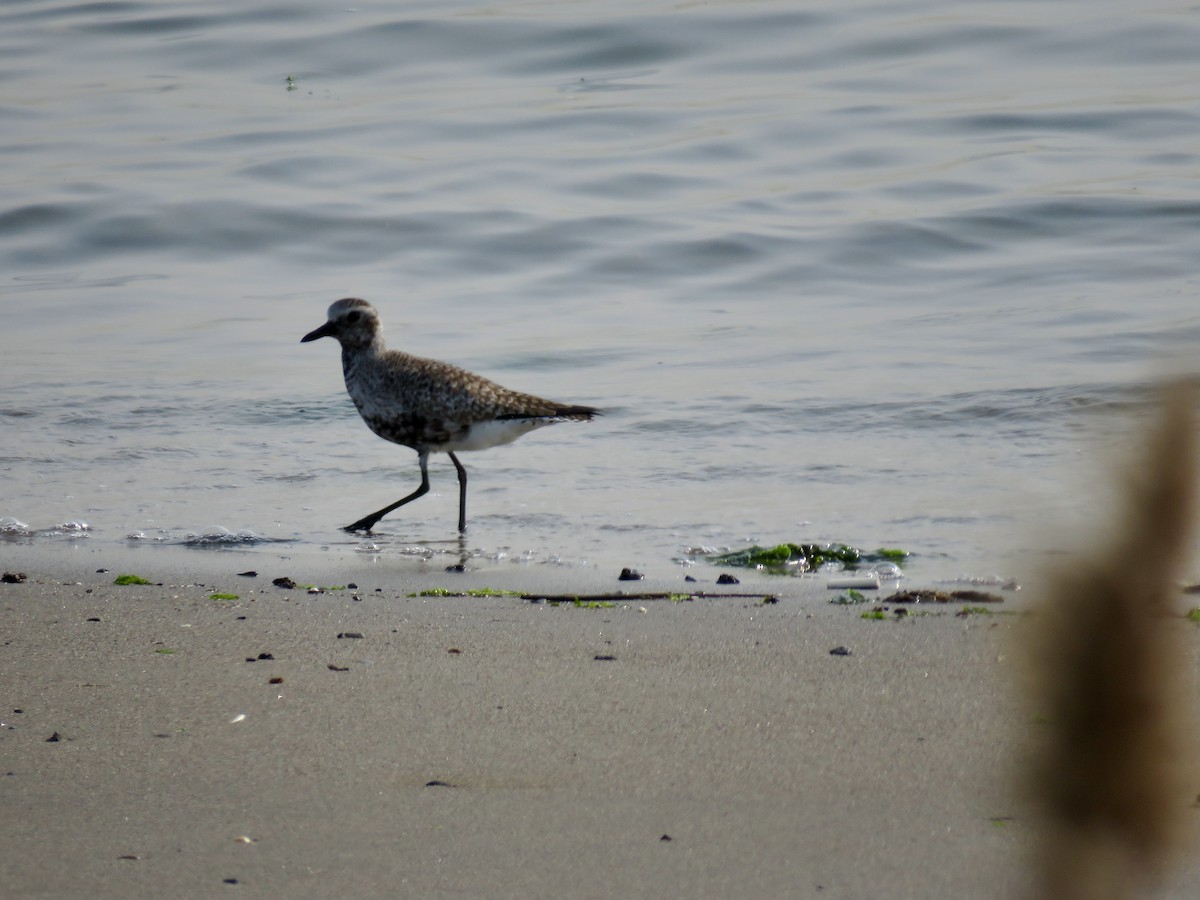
x=428, y=405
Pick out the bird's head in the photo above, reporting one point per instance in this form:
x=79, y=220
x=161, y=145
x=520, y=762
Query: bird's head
x=354, y=323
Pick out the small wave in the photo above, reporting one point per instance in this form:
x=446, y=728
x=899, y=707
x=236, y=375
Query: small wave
x=10, y=527
x=14, y=528
x=71, y=531
x=222, y=537
x=135, y=536
x=72, y=527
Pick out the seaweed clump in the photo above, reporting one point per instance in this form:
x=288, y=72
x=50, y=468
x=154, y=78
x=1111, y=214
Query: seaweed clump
x=787, y=558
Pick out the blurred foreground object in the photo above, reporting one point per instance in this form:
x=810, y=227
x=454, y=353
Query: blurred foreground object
x=1114, y=772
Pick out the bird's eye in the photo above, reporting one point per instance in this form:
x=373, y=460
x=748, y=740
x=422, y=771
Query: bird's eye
x=353, y=317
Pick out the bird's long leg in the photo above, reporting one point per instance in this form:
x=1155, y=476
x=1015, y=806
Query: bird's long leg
x=366, y=523
x=462, y=492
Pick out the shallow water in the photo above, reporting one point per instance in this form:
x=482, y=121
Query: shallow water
x=891, y=274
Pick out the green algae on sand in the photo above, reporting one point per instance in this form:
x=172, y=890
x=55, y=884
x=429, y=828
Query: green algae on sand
x=131, y=579
x=807, y=557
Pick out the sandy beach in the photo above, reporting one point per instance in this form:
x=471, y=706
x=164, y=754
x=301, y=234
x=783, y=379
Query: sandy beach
x=363, y=742
x=494, y=746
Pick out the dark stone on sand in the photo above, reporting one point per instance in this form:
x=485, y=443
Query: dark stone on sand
x=54, y=738
x=13, y=577
x=250, y=574
x=840, y=651
x=630, y=575
x=284, y=582
x=665, y=837
x=602, y=657
x=726, y=578
x=349, y=634
x=437, y=783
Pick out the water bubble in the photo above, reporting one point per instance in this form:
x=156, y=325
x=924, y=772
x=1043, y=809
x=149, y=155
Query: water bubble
x=887, y=571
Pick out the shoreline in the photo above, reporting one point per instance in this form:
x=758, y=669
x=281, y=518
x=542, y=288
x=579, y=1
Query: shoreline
x=432, y=565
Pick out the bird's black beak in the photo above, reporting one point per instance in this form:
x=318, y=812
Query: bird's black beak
x=326, y=330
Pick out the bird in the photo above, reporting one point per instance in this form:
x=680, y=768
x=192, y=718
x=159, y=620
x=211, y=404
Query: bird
x=428, y=405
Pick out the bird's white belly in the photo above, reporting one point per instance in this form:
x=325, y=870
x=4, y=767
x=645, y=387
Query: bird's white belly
x=482, y=435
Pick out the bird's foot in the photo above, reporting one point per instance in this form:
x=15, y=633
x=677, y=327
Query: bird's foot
x=361, y=525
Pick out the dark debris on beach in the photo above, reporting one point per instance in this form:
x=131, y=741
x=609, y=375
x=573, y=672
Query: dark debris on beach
x=929, y=595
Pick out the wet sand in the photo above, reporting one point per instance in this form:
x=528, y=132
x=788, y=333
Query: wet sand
x=491, y=746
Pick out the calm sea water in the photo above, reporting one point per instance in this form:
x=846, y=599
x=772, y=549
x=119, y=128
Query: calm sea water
x=885, y=273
